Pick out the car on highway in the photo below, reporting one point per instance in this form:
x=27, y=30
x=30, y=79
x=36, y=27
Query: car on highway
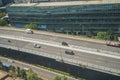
x=9, y=41
x=65, y=43
x=70, y=52
x=37, y=46
x=113, y=44
x=29, y=31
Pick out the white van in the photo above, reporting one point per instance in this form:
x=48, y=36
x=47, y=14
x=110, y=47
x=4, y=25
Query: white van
x=29, y=31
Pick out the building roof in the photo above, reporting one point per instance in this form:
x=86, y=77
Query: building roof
x=68, y=3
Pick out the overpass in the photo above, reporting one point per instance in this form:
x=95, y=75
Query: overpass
x=89, y=58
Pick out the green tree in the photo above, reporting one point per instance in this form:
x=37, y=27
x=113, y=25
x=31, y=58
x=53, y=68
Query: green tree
x=63, y=78
x=31, y=75
x=3, y=23
x=13, y=71
x=109, y=31
x=23, y=74
x=101, y=35
x=60, y=78
x=2, y=14
x=116, y=38
x=12, y=68
x=89, y=34
x=109, y=34
x=31, y=26
x=57, y=78
x=18, y=71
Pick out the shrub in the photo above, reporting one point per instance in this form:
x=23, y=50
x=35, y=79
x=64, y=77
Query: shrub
x=2, y=14
x=31, y=26
x=3, y=23
x=101, y=35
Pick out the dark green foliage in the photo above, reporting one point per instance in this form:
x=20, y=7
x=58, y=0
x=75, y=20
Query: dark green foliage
x=27, y=75
x=60, y=78
x=18, y=71
x=89, y=34
x=116, y=38
x=2, y=14
x=64, y=44
x=101, y=35
x=32, y=76
x=13, y=69
x=31, y=26
x=3, y=23
x=109, y=35
x=23, y=74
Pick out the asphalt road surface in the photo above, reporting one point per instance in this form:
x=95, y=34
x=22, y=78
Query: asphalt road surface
x=79, y=56
x=53, y=38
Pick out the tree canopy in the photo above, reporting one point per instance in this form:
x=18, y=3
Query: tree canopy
x=31, y=26
x=3, y=23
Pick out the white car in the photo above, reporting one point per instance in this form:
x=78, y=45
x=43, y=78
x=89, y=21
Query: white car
x=29, y=31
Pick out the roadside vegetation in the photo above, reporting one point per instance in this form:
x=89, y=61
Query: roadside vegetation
x=2, y=14
x=17, y=72
x=54, y=70
x=2, y=22
x=108, y=35
x=31, y=26
x=60, y=78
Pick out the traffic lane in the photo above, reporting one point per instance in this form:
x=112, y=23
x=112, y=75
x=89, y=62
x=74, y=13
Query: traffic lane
x=80, y=56
x=12, y=42
x=40, y=72
x=57, y=51
x=61, y=39
x=94, y=59
x=86, y=57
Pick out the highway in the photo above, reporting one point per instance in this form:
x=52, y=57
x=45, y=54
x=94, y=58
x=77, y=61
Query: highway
x=47, y=75
x=90, y=59
x=53, y=38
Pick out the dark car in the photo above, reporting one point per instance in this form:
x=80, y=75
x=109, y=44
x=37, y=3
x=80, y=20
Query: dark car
x=69, y=52
x=65, y=44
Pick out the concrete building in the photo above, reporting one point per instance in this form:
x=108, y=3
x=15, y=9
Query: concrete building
x=73, y=16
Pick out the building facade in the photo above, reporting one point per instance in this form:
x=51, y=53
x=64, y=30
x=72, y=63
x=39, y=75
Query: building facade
x=67, y=16
x=1, y=3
